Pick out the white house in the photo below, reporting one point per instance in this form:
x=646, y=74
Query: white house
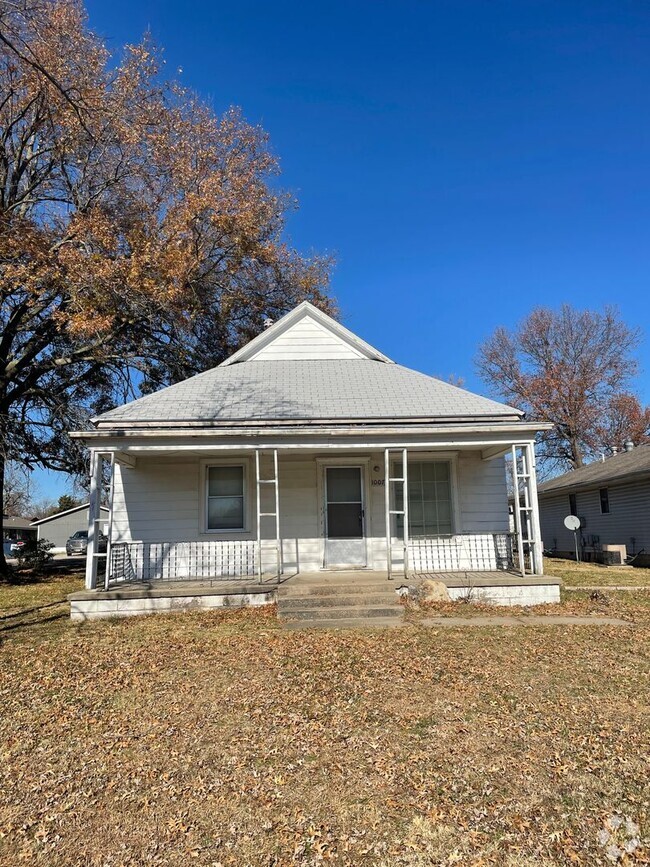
x=309, y=450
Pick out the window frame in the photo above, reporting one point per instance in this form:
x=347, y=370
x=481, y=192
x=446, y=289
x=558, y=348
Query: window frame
x=234, y=462
x=396, y=467
x=604, y=500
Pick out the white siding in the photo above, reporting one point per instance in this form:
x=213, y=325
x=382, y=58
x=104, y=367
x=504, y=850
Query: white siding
x=483, y=494
x=157, y=501
x=161, y=500
x=628, y=517
x=307, y=339
x=302, y=547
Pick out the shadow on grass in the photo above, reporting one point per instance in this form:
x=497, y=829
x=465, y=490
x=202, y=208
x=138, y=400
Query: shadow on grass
x=25, y=611
x=41, y=621
x=20, y=577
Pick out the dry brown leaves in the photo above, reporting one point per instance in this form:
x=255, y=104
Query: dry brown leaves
x=222, y=739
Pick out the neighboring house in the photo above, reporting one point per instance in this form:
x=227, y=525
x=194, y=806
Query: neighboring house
x=289, y=458
x=15, y=529
x=58, y=528
x=612, y=500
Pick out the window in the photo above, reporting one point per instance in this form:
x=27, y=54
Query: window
x=429, y=493
x=225, y=497
x=573, y=506
x=604, y=501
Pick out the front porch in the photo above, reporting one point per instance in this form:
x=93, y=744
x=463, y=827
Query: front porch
x=230, y=562
x=139, y=597
x=260, y=515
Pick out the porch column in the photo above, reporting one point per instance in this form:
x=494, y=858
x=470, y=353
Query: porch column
x=527, y=515
x=537, y=547
x=109, y=540
x=275, y=514
x=517, y=510
x=389, y=480
x=96, y=467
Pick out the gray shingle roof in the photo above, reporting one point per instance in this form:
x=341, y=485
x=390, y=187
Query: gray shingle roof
x=15, y=523
x=600, y=473
x=307, y=390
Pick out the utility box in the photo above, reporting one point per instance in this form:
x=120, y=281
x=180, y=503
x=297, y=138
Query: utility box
x=615, y=554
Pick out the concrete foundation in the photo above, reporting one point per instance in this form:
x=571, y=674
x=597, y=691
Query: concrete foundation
x=360, y=587
x=135, y=600
x=540, y=595
x=505, y=588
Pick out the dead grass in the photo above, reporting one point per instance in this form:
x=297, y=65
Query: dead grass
x=29, y=592
x=580, y=574
x=222, y=739
x=632, y=605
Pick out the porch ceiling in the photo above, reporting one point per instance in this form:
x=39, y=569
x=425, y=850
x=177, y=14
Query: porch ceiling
x=130, y=457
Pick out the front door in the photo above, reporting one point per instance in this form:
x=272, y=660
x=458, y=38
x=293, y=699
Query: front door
x=345, y=543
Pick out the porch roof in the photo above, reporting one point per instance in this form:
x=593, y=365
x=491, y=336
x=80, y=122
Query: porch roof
x=490, y=438
x=300, y=391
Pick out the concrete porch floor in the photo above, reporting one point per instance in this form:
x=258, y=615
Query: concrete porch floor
x=501, y=588
x=496, y=578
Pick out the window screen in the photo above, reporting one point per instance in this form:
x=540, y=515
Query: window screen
x=429, y=492
x=604, y=501
x=225, y=498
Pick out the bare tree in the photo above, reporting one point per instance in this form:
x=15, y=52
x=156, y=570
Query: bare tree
x=624, y=420
x=17, y=491
x=571, y=367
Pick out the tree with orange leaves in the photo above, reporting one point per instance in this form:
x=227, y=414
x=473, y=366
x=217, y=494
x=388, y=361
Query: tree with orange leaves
x=573, y=368
x=141, y=239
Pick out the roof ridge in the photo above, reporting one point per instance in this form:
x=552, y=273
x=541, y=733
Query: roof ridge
x=613, y=467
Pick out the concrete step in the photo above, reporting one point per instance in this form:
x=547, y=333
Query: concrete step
x=289, y=590
x=289, y=603
x=349, y=612
x=345, y=623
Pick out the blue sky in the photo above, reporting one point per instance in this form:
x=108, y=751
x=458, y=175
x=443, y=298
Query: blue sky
x=464, y=161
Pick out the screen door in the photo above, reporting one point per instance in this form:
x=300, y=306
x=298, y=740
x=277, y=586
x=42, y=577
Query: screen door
x=345, y=543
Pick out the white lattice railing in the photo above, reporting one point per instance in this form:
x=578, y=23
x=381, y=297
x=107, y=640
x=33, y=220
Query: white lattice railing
x=477, y=552
x=177, y=561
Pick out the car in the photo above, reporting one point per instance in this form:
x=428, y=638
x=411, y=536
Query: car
x=78, y=543
x=19, y=546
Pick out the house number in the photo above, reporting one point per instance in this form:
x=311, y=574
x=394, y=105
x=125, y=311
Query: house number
x=376, y=482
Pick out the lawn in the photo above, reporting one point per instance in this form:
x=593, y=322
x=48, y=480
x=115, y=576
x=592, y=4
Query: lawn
x=222, y=739
x=580, y=574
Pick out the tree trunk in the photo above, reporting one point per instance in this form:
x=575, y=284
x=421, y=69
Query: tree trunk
x=576, y=453
x=4, y=566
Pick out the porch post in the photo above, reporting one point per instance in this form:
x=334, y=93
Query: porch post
x=389, y=547
x=258, y=514
x=278, y=539
x=109, y=541
x=96, y=465
x=537, y=547
x=405, y=499
x=517, y=511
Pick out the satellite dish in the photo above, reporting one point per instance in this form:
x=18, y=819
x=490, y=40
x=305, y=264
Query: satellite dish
x=572, y=523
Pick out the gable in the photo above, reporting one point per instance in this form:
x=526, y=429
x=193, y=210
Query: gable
x=306, y=339
x=306, y=334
